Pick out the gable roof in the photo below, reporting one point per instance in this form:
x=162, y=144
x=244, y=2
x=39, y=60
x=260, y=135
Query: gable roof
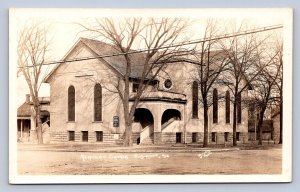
x=117, y=62
x=24, y=110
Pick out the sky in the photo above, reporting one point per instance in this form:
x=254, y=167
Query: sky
x=64, y=32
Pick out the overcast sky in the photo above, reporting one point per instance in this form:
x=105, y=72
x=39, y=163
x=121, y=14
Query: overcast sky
x=64, y=32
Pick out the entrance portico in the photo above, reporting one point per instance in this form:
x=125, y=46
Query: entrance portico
x=165, y=108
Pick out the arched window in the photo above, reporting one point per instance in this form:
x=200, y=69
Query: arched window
x=239, y=108
x=227, y=107
x=97, y=102
x=195, y=100
x=71, y=103
x=215, y=106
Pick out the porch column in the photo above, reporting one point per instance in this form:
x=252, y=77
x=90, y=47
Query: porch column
x=21, y=128
x=157, y=124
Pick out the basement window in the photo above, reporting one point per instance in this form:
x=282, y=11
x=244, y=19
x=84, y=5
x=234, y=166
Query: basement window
x=194, y=137
x=99, y=136
x=71, y=135
x=226, y=136
x=85, y=136
x=237, y=136
x=213, y=137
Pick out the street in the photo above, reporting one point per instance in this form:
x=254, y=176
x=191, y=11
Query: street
x=51, y=161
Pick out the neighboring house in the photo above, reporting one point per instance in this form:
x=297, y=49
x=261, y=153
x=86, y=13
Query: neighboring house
x=276, y=124
x=84, y=107
x=26, y=122
x=270, y=127
x=267, y=129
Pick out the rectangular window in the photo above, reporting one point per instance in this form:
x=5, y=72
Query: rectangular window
x=71, y=135
x=239, y=108
x=135, y=87
x=178, y=137
x=237, y=136
x=213, y=136
x=85, y=136
x=194, y=137
x=99, y=136
x=226, y=136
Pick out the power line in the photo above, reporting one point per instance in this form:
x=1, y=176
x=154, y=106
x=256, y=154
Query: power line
x=246, y=32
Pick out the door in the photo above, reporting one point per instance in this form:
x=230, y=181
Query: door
x=178, y=137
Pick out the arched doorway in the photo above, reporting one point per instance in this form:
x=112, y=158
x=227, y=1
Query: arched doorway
x=170, y=115
x=145, y=118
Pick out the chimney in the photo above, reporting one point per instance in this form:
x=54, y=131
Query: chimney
x=27, y=98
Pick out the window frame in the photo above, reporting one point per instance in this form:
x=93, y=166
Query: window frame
x=83, y=136
x=227, y=107
x=195, y=102
x=69, y=135
x=101, y=136
x=215, y=106
x=71, y=103
x=98, y=103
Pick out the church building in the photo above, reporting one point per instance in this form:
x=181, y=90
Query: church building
x=85, y=108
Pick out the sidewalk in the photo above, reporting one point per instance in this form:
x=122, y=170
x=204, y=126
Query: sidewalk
x=176, y=148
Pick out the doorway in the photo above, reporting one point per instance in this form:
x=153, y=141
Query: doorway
x=178, y=137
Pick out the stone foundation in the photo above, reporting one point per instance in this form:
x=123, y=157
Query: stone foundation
x=158, y=137
x=169, y=137
x=199, y=137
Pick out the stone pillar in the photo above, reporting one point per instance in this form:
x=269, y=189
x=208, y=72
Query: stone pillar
x=21, y=128
x=157, y=124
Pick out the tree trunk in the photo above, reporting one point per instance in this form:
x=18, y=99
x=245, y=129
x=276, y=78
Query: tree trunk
x=260, y=124
x=205, y=115
x=39, y=131
x=234, y=123
x=280, y=108
x=128, y=127
x=128, y=135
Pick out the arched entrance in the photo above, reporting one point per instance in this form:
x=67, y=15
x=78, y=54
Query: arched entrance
x=145, y=118
x=170, y=115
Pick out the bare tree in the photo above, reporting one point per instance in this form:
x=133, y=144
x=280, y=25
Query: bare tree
x=156, y=36
x=265, y=88
x=241, y=52
x=279, y=82
x=211, y=64
x=32, y=48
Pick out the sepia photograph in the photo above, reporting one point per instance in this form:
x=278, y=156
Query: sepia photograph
x=150, y=95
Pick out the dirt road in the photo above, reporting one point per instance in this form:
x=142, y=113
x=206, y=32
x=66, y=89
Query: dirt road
x=47, y=162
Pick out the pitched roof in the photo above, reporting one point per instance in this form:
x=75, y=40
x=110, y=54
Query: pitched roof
x=117, y=62
x=24, y=110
